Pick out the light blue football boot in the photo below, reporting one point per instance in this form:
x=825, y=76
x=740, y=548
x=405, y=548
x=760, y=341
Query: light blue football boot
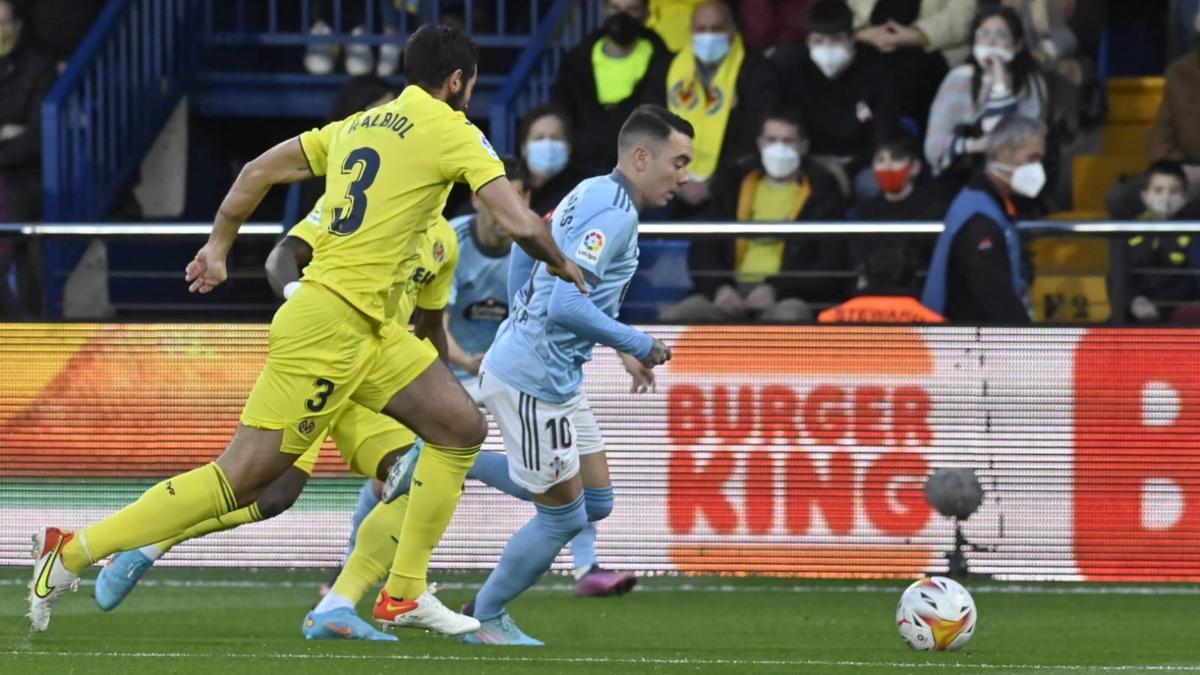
x=400, y=476
x=119, y=577
x=341, y=624
x=501, y=631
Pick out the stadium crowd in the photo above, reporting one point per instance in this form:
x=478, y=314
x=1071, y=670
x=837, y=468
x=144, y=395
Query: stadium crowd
x=805, y=111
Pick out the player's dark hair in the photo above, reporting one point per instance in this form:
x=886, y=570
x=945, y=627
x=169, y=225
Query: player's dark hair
x=829, y=17
x=890, y=266
x=652, y=122
x=1166, y=167
x=900, y=146
x=357, y=94
x=544, y=110
x=434, y=52
x=790, y=116
x=514, y=170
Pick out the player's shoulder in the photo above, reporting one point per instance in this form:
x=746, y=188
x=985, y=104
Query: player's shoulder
x=609, y=194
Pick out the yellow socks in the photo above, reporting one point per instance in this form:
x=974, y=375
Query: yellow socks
x=243, y=516
x=436, y=489
x=162, y=511
x=374, y=549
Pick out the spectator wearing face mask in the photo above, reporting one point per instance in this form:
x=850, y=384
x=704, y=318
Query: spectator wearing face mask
x=748, y=278
x=904, y=196
x=26, y=74
x=886, y=291
x=614, y=70
x=1154, y=295
x=919, y=39
x=835, y=83
x=546, y=140
x=1001, y=77
x=722, y=88
x=978, y=273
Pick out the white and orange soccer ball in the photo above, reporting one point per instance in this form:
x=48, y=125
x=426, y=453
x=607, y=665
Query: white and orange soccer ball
x=936, y=614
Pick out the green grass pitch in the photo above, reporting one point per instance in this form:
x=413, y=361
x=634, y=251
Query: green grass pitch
x=228, y=622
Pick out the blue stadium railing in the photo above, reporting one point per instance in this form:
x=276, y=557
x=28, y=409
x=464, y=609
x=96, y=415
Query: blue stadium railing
x=252, y=61
x=529, y=83
x=109, y=104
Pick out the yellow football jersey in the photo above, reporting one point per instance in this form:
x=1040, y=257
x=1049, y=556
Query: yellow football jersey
x=428, y=276
x=388, y=171
x=424, y=279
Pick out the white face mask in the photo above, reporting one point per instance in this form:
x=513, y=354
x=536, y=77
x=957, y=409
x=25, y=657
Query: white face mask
x=983, y=52
x=780, y=160
x=1027, y=180
x=1165, y=204
x=547, y=156
x=831, y=59
x=710, y=48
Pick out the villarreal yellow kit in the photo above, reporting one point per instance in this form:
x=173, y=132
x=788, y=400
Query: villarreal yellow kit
x=363, y=437
x=388, y=171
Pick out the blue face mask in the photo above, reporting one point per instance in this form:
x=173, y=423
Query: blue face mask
x=547, y=156
x=710, y=48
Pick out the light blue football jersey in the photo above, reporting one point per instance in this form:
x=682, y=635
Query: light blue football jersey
x=596, y=225
x=479, y=297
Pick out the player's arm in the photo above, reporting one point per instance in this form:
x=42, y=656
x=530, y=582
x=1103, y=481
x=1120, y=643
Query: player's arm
x=429, y=323
x=575, y=311
x=284, y=263
x=284, y=163
x=456, y=354
x=528, y=230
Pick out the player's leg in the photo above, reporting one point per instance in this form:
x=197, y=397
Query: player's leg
x=117, y=579
x=590, y=578
x=368, y=499
x=422, y=394
x=313, y=331
x=122, y=574
x=370, y=443
x=543, y=457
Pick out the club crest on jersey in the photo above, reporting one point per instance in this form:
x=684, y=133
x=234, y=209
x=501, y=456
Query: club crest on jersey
x=439, y=251
x=590, y=246
x=488, y=146
x=306, y=426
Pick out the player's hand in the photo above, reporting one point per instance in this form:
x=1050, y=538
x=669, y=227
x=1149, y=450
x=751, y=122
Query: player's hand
x=659, y=354
x=641, y=377
x=474, y=364
x=570, y=273
x=206, y=271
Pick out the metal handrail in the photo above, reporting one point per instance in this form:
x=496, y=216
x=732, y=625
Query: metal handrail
x=529, y=82
x=109, y=104
x=653, y=229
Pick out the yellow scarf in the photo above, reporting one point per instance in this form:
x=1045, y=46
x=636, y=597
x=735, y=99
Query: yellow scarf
x=706, y=108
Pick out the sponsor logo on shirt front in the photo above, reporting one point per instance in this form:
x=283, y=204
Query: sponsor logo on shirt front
x=590, y=247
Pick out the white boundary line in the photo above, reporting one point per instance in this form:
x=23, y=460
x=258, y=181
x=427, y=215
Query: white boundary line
x=1145, y=668
x=982, y=588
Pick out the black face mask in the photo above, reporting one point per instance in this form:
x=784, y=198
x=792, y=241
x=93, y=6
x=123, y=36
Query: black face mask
x=623, y=29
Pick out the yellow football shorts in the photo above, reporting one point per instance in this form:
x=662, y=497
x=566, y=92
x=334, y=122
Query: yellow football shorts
x=363, y=439
x=322, y=354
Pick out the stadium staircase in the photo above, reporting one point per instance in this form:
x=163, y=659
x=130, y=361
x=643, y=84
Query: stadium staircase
x=244, y=58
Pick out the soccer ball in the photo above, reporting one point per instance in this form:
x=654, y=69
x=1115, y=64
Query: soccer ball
x=936, y=614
